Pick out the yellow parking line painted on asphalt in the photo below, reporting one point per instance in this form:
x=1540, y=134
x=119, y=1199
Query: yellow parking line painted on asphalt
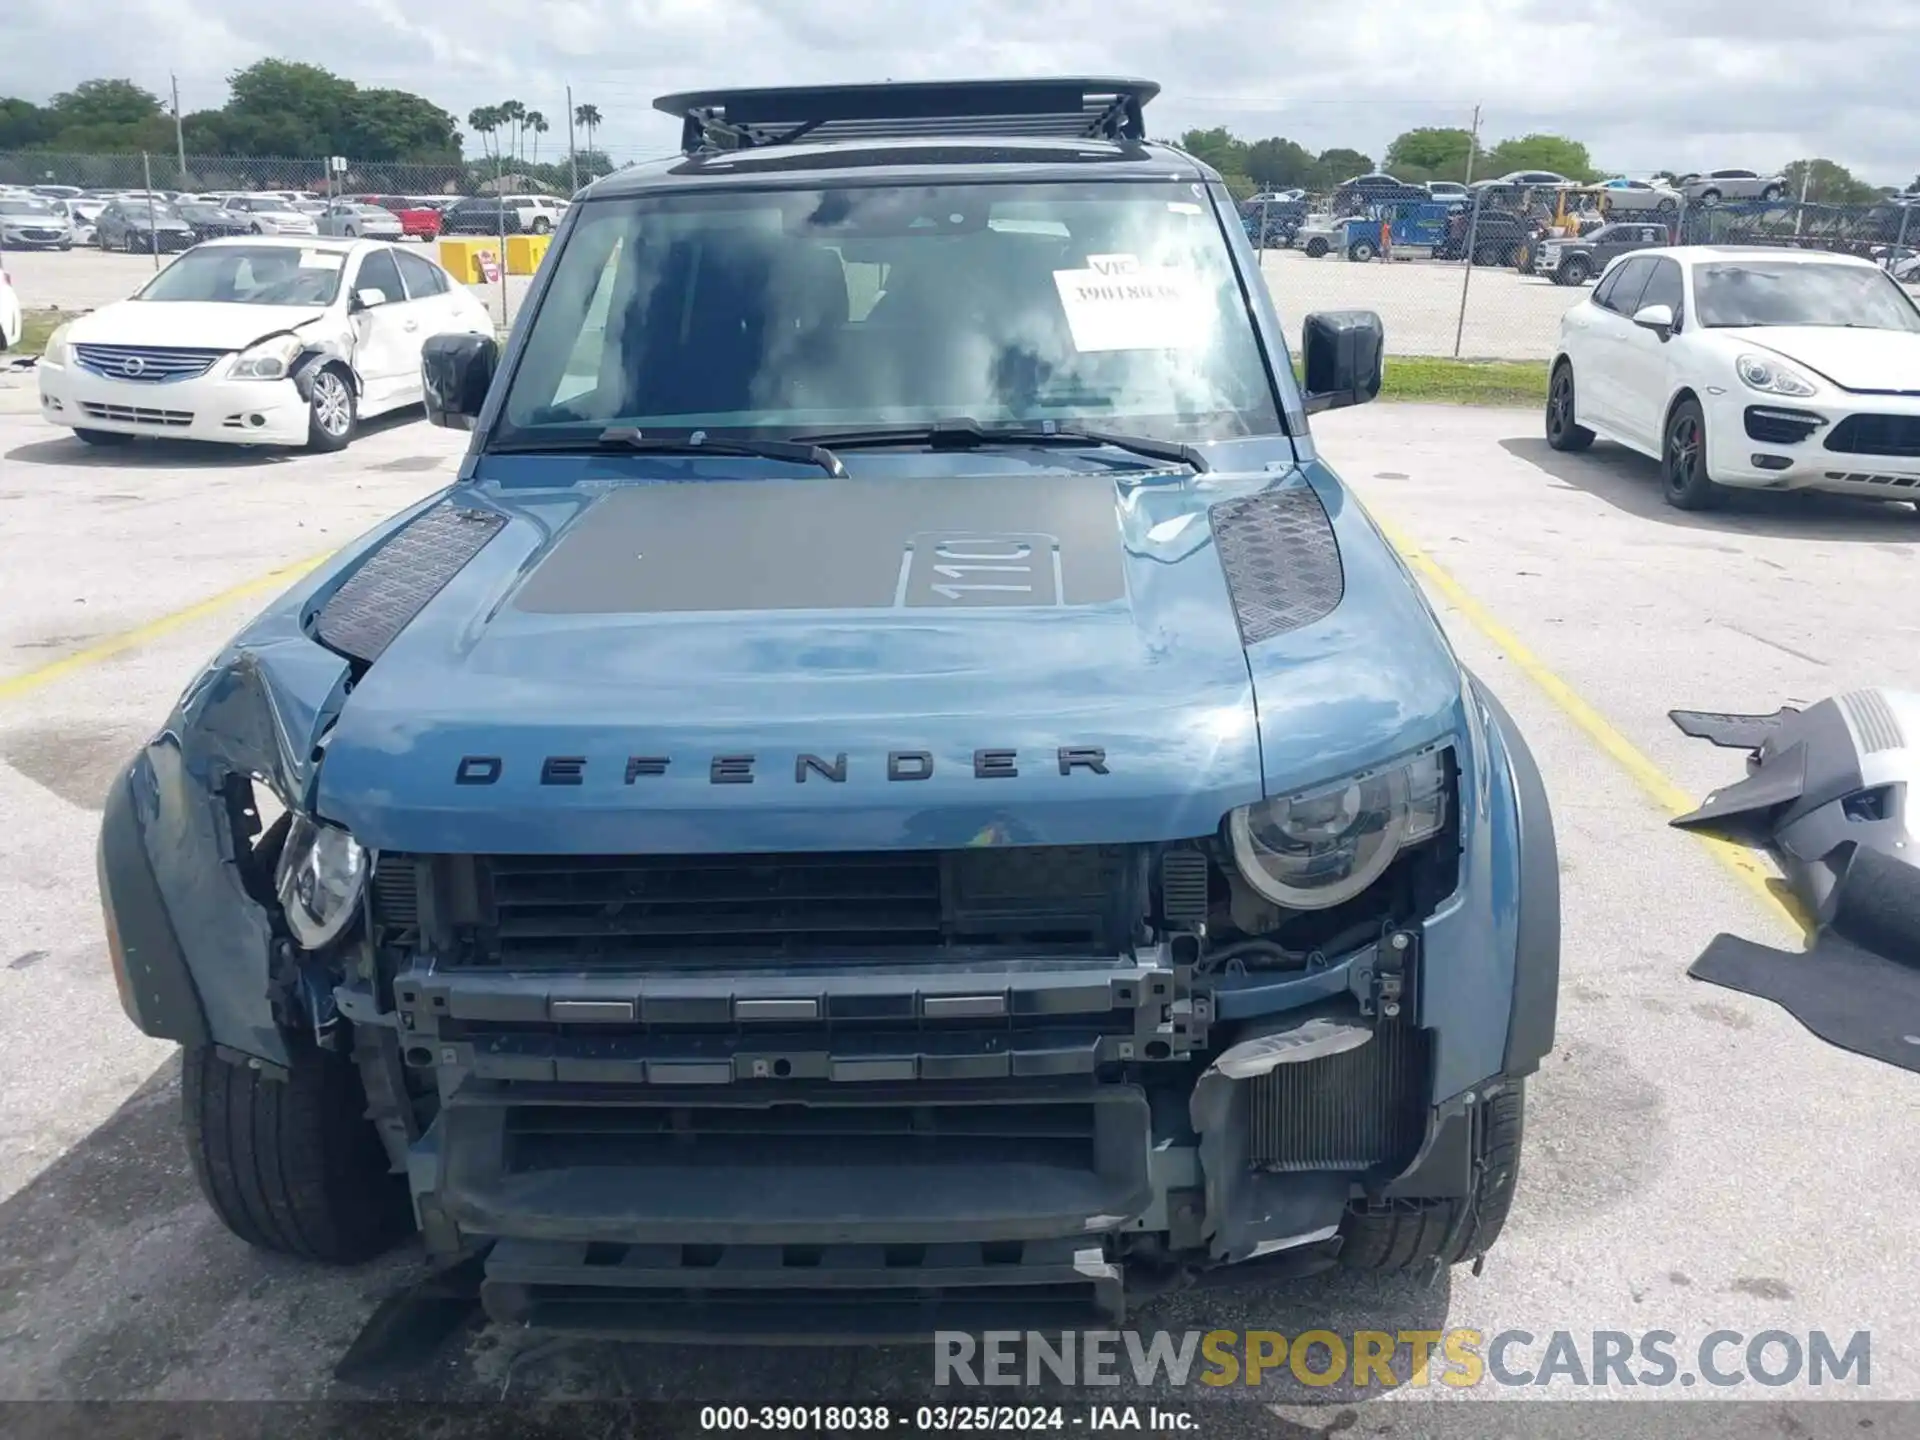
x=12, y=687
x=1745, y=865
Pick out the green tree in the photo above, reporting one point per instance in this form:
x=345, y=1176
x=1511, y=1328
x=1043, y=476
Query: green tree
x=22, y=123
x=1339, y=164
x=1278, y=164
x=1433, y=153
x=1218, y=147
x=512, y=115
x=1541, y=152
x=587, y=117
x=1827, y=183
x=307, y=105
x=396, y=125
x=537, y=126
x=95, y=103
x=485, y=121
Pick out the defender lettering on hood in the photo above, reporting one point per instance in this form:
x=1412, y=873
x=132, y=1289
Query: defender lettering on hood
x=988, y=764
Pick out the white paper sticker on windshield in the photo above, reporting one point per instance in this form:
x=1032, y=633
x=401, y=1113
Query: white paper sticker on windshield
x=1117, y=303
x=1183, y=207
x=320, y=260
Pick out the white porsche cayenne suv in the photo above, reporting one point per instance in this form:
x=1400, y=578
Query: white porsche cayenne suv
x=1765, y=369
x=257, y=340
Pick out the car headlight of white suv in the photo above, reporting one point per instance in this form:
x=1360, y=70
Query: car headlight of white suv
x=55, y=351
x=269, y=360
x=1770, y=377
x=1321, y=848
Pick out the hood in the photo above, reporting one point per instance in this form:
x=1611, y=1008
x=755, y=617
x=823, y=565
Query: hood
x=215, y=325
x=1864, y=360
x=1035, y=657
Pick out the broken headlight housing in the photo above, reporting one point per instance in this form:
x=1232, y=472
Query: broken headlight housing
x=1321, y=848
x=320, y=880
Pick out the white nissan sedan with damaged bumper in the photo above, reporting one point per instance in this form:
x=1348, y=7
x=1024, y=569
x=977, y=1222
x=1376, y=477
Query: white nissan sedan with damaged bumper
x=1759, y=369
x=258, y=340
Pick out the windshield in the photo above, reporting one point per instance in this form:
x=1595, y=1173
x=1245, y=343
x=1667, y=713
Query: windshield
x=765, y=313
x=250, y=275
x=1756, y=292
x=261, y=202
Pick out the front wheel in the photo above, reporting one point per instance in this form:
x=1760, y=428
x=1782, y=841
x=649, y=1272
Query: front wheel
x=1771, y=194
x=1316, y=248
x=1412, y=1235
x=1667, y=206
x=1564, y=432
x=332, y=413
x=292, y=1165
x=1576, y=271
x=1683, y=460
x=541, y=225
x=1710, y=197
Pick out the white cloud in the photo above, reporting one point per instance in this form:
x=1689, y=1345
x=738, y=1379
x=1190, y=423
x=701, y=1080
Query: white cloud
x=1646, y=83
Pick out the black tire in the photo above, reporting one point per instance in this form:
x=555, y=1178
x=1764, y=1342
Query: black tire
x=1667, y=205
x=1414, y=1235
x=1709, y=197
x=103, y=437
x=1771, y=194
x=541, y=225
x=1683, y=460
x=1316, y=247
x=326, y=431
x=1574, y=270
x=293, y=1166
x=1564, y=433
x=1362, y=251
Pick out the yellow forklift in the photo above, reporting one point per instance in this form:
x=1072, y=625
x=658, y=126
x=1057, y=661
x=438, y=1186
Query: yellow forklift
x=1566, y=213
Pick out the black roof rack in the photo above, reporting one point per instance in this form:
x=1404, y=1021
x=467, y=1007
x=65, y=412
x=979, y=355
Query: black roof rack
x=1071, y=108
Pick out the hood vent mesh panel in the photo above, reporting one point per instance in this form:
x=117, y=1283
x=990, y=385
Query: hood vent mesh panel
x=394, y=584
x=1281, y=559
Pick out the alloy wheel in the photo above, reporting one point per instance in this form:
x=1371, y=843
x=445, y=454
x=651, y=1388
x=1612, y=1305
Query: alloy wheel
x=332, y=405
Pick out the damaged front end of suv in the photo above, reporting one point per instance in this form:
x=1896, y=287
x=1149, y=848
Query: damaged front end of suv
x=1022, y=868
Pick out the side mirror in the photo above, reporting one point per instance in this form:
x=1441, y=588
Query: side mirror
x=1345, y=357
x=456, y=371
x=1657, y=318
x=368, y=298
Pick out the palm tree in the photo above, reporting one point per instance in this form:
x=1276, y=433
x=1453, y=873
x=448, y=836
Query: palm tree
x=485, y=121
x=536, y=124
x=515, y=114
x=588, y=118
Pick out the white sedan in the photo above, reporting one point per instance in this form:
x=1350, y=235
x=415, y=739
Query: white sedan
x=257, y=341
x=1763, y=369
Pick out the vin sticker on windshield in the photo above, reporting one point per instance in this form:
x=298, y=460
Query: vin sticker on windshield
x=1117, y=303
x=320, y=260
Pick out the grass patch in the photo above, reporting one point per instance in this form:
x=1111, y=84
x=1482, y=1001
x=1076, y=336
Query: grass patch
x=35, y=327
x=1465, y=382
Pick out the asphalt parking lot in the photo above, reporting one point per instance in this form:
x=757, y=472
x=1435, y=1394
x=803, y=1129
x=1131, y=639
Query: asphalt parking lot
x=1696, y=1161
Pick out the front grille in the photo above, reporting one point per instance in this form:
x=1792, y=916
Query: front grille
x=145, y=364
x=1772, y=426
x=41, y=237
x=1877, y=435
x=1350, y=1111
x=137, y=415
x=1890, y=482
x=624, y=910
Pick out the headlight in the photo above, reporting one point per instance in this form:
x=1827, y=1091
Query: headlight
x=320, y=878
x=268, y=360
x=54, y=352
x=1771, y=376
x=1320, y=849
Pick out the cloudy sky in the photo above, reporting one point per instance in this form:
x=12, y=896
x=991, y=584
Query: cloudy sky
x=1647, y=84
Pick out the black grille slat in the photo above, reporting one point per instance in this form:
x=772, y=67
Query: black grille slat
x=1877, y=435
x=1351, y=1111
x=396, y=892
x=605, y=911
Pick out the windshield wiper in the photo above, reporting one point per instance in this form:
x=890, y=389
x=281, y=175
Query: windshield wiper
x=968, y=434
x=626, y=437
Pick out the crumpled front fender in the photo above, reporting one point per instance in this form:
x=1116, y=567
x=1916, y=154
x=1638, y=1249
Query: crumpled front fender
x=191, y=943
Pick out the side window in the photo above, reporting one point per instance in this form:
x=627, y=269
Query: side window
x=423, y=277
x=377, y=272
x=1603, y=292
x=1624, y=296
x=1663, y=287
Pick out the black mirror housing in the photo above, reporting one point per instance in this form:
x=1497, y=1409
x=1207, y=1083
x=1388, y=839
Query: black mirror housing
x=456, y=371
x=1344, y=352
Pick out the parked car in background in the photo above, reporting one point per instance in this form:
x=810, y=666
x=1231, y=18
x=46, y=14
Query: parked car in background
x=1498, y=237
x=481, y=215
x=81, y=215
x=27, y=222
x=1718, y=185
x=350, y=218
x=271, y=215
x=1575, y=261
x=210, y=221
x=260, y=340
x=1276, y=197
x=1448, y=190
x=1355, y=195
x=1770, y=369
x=143, y=226
x=1624, y=196
x=12, y=317
x=538, y=213
x=1271, y=224
x=417, y=220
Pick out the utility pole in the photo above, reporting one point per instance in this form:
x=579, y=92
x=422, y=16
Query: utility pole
x=179, y=132
x=573, y=169
x=1473, y=232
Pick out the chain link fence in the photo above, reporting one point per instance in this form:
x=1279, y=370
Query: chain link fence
x=200, y=174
